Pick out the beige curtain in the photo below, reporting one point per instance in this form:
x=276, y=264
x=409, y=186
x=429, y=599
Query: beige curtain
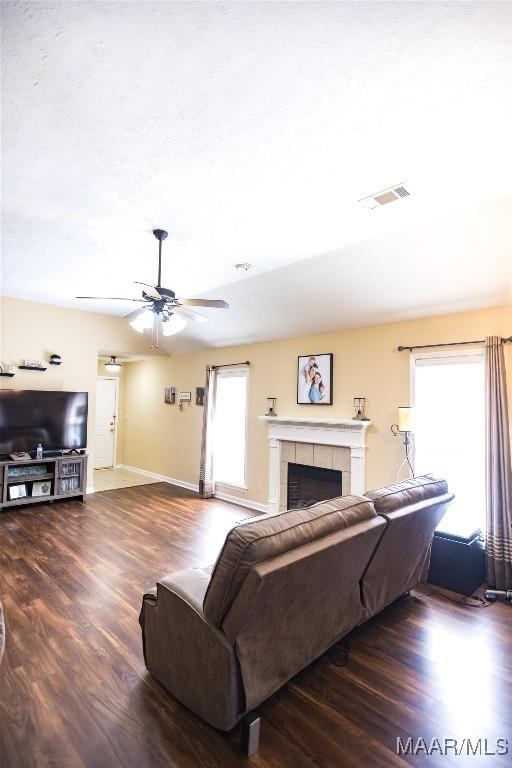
x=498, y=468
x=206, y=480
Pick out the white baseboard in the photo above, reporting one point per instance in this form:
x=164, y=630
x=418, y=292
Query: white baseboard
x=241, y=502
x=194, y=487
x=89, y=489
x=161, y=478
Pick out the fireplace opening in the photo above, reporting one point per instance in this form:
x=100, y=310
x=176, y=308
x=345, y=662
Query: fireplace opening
x=307, y=485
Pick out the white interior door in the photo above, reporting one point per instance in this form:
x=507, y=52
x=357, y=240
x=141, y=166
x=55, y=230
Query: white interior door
x=105, y=433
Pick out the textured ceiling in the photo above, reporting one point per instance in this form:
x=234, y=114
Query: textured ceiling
x=249, y=131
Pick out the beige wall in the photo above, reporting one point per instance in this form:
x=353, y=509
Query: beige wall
x=159, y=438
x=34, y=331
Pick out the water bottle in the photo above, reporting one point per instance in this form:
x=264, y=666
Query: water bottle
x=39, y=451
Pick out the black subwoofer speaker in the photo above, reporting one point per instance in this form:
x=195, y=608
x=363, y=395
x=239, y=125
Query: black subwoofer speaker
x=456, y=563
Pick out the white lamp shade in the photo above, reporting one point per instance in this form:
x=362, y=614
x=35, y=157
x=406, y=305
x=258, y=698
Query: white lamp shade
x=406, y=419
x=142, y=321
x=112, y=365
x=173, y=325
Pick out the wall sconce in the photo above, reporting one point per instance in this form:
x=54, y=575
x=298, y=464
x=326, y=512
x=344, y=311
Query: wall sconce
x=359, y=406
x=271, y=406
x=405, y=427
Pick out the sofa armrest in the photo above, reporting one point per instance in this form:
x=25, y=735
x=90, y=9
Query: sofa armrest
x=189, y=656
x=190, y=584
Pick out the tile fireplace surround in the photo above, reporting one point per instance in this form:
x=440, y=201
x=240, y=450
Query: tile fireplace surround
x=329, y=443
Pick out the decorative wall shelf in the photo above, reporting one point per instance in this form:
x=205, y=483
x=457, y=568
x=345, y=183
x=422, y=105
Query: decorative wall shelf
x=31, y=368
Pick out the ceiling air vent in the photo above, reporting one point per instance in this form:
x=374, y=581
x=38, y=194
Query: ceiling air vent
x=385, y=196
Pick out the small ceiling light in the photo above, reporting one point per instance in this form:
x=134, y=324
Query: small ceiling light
x=244, y=265
x=113, y=365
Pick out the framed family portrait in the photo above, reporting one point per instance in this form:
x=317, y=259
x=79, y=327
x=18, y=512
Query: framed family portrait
x=314, y=379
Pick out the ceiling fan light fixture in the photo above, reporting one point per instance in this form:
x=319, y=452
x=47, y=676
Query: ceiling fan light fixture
x=112, y=365
x=143, y=321
x=173, y=325
x=162, y=312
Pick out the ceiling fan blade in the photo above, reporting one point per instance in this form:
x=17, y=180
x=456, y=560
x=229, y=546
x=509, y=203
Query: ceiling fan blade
x=132, y=315
x=218, y=303
x=189, y=314
x=108, y=298
x=152, y=291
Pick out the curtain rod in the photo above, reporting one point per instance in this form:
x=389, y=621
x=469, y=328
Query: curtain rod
x=449, y=344
x=230, y=365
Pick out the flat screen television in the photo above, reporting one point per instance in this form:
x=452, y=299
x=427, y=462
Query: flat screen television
x=57, y=420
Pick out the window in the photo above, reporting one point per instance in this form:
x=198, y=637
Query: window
x=449, y=401
x=230, y=427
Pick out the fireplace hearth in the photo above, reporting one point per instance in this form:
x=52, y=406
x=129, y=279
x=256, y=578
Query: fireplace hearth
x=307, y=485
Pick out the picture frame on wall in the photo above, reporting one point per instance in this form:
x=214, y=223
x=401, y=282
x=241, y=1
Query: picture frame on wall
x=315, y=379
x=170, y=395
x=199, y=395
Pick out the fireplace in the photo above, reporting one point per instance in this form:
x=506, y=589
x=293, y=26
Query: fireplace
x=336, y=444
x=307, y=485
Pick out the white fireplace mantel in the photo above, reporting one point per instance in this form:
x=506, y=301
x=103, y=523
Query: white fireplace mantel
x=349, y=433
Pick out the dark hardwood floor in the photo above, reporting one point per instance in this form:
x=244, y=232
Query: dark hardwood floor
x=74, y=690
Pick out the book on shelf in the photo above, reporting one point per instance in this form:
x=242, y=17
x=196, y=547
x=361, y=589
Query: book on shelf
x=69, y=484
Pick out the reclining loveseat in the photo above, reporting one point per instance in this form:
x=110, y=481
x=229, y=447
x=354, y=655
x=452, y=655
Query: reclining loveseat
x=284, y=589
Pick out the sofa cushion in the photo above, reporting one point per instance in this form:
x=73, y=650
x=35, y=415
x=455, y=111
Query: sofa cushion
x=397, y=495
x=256, y=540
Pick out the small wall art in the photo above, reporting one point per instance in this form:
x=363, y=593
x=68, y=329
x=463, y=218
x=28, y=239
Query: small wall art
x=170, y=395
x=199, y=395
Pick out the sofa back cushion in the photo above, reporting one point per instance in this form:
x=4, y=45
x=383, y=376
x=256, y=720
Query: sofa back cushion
x=416, y=489
x=295, y=606
x=257, y=540
x=412, y=510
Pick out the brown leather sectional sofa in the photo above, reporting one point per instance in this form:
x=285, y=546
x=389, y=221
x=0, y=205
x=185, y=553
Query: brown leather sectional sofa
x=284, y=589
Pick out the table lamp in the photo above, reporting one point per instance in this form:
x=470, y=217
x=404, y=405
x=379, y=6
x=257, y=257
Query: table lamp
x=405, y=426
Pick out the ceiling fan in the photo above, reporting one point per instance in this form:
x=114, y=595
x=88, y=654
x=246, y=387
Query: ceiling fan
x=162, y=311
